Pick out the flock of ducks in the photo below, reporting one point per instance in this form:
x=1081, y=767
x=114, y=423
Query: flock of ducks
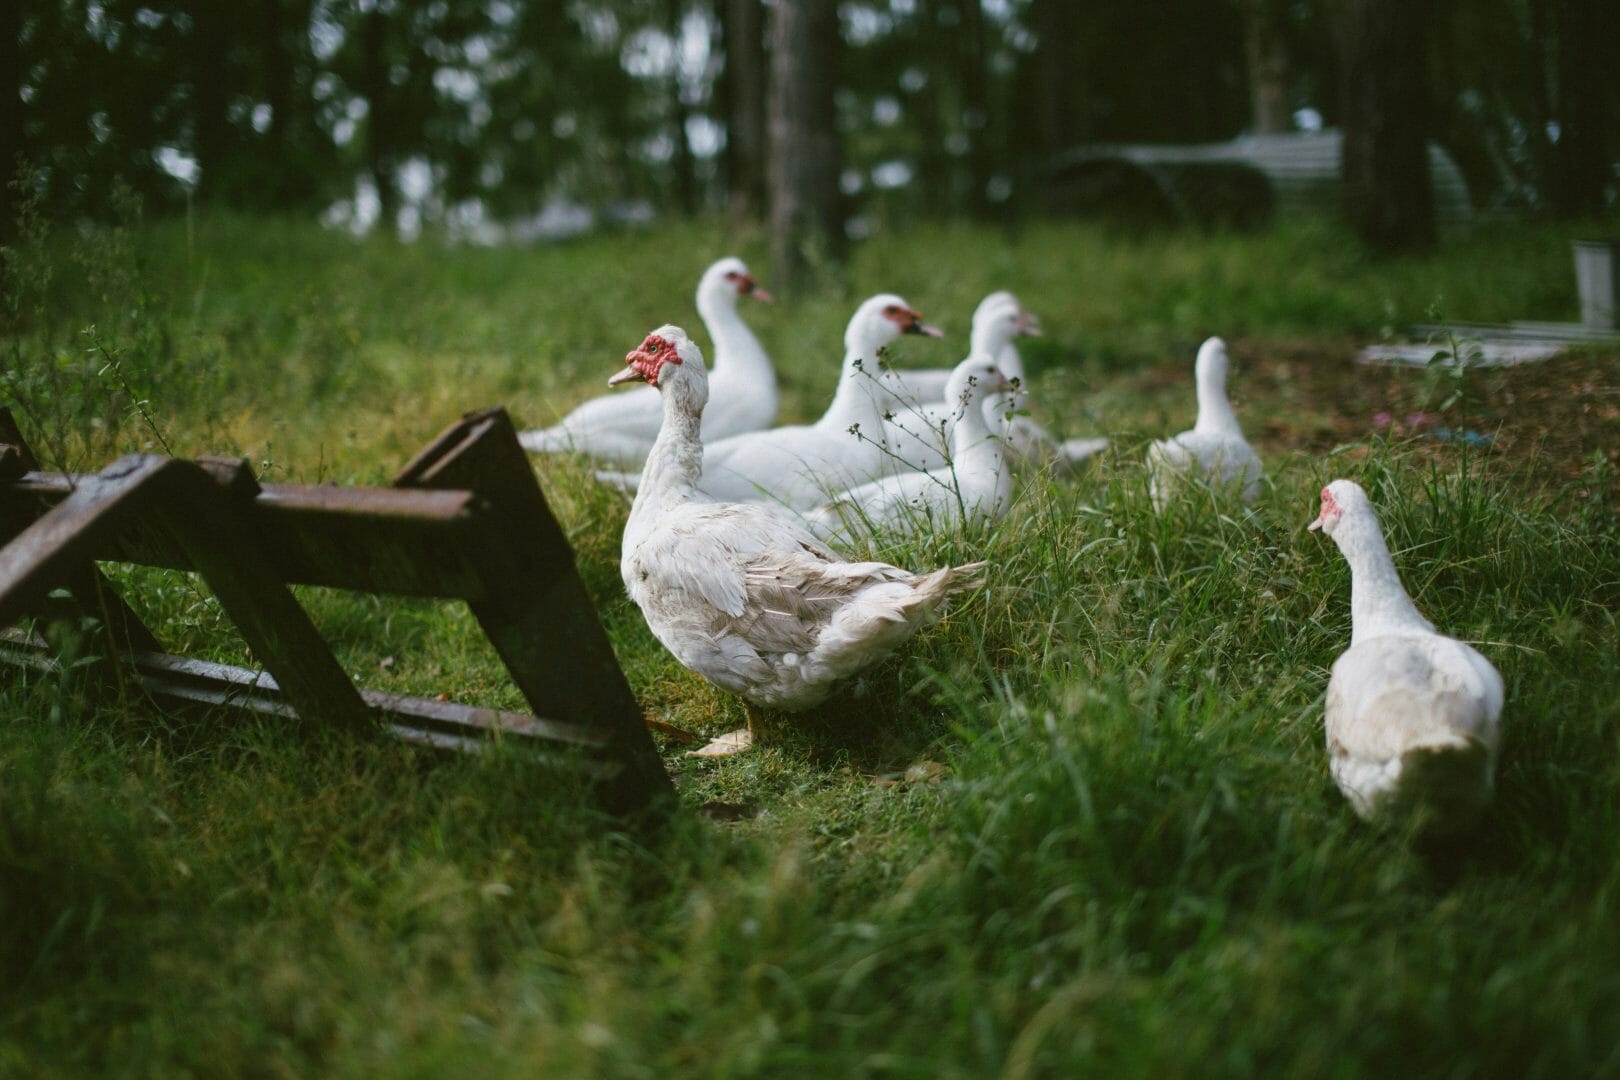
x=729, y=547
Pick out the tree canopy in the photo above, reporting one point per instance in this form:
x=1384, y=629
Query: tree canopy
x=467, y=113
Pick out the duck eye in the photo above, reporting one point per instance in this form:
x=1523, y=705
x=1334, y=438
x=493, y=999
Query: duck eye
x=891, y=310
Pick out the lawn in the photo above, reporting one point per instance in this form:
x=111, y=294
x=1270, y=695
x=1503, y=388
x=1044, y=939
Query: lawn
x=1082, y=826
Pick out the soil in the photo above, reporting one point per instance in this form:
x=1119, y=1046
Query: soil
x=1550, y=428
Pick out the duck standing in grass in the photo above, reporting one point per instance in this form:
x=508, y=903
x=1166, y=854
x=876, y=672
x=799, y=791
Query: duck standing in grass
x=1413, y=716
x=1215, y=449
x=742, y=593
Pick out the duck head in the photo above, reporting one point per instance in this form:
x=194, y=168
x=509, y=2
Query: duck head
x=1027, y=325
x=881, y=320
x=974, y=379
x=667, y=359
x=995, y=326
x=728, y=281
x=1340, y=498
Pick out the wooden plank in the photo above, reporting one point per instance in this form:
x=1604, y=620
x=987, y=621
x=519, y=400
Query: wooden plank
x=203, y=515
x=537, y=613
x=181, y=500
x=467, y=521
x=407, y=543
x=184, y=681
x=383, y=540
x=22, y=455
x=49, y=551
x=91, y=590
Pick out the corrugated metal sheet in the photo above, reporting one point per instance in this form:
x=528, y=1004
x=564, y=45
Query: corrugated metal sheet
x=1302, y=168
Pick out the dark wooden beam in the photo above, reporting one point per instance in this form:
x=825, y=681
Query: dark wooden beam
x=535, y=609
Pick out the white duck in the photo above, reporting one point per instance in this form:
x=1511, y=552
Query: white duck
x=799, y=466
x=919, y=437
x=925, y=386
x=1413, y=716
x=620, y=428
x=976, y=485
x=918, y=434
x=1214, y=450
x=1028, y=443
x=741, y=593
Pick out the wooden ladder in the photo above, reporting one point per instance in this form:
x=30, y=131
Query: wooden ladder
x=464, y=520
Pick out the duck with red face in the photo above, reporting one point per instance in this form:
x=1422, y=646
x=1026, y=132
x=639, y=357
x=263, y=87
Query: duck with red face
x=1413, y=717
x=740, y=592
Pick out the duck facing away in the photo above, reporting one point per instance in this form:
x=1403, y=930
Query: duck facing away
x=1413, y=717
x=741, y=593
x=1215, y=450
x=975, y=485
x=620, y=428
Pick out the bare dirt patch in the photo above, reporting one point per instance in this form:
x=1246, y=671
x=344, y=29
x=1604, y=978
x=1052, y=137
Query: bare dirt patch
x=1549, y=428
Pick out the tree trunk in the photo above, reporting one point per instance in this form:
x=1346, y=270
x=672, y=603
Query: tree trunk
x=292, y=109
x=974, y=74
x=11, y=121
x=1586, y=55
x=1267, y=54
x=210, y=99
x=1385, y=169
x=379, y=134
x=685, y=169
x=806, y=221
x=743, y=27
x=1060, y=77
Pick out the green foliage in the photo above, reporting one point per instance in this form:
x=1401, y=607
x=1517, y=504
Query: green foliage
x=464, y=110
x=1083, y=825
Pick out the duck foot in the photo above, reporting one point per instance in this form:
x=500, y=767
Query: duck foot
x=727, y=745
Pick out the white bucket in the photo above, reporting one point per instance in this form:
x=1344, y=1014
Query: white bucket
x=1599, y=285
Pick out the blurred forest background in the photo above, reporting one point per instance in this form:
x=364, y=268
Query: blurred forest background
x=505, y=120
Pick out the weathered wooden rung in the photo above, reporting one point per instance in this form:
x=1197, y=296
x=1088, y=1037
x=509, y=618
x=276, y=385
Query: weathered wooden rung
x=387, y=540
x=186, y=681
x=466, y=521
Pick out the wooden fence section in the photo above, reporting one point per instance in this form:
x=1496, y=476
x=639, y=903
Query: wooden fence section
x=465, y=520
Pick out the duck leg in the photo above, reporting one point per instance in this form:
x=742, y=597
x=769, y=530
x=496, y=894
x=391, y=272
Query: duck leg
x=733, y=742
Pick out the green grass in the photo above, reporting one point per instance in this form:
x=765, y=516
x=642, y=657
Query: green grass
x=1084, y=826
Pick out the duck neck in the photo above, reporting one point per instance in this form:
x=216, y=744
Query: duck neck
x=1010, y=363
x=736, y=349
x=1378, y=601
x=675, y=462
x=856, y=399
x=1214, y=410
x=972, y=444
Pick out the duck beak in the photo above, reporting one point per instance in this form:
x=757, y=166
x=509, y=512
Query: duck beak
x=1029, y=325
x=751, y=288
x=1313, y=526
x=917, y=326
x=629, y=374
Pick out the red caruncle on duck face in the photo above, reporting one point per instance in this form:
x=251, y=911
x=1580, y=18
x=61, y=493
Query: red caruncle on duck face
x=648, y=358
x=1330, y=511
x=909, y=320
x=746, y=285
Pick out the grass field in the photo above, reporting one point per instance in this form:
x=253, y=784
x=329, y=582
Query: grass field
x=1082, y=827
